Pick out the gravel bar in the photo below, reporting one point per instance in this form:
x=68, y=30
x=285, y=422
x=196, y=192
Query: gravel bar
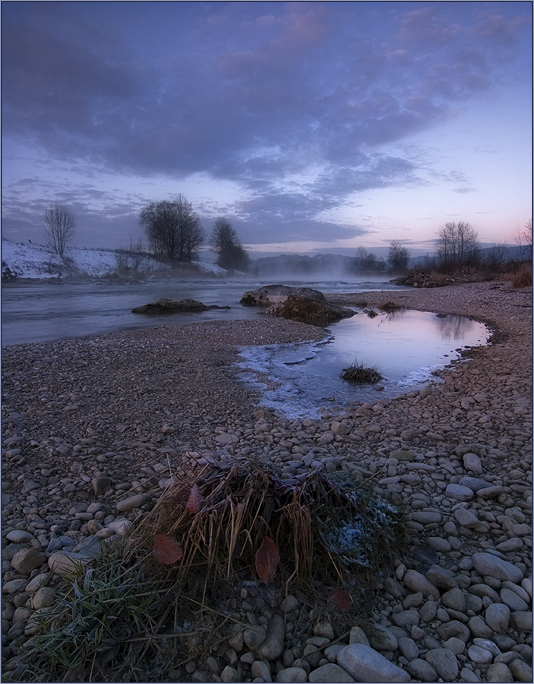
x=93, y=428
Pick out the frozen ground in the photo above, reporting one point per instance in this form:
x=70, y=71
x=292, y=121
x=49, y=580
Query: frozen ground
x=29, y=260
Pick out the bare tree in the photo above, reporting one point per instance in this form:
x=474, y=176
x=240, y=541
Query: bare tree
x=131, y=258
x=524, y=241
x=172, y=228
x=398, y=256
x=497, y=256
x=59, y=223
x=225, y=241
x=366, y=262
x=457, y=246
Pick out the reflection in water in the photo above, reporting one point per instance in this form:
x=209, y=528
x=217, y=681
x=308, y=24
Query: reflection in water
x=405, y=346
x=454, y=327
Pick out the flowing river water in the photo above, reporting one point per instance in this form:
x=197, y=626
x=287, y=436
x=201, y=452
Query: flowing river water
x=405, y=346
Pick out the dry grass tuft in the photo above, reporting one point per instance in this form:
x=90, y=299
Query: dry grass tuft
x=130, y=617
x=357, y=372
x=523, y=276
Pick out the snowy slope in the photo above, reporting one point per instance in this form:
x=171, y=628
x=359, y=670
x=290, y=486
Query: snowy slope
x=28, y=260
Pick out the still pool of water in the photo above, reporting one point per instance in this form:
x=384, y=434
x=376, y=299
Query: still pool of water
x=405, y=347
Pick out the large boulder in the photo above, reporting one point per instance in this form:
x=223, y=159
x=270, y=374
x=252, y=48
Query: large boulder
x=164, y=306
x=277, y=294
x=311, y=311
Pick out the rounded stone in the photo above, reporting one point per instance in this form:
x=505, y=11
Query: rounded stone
x=417, y=582
x=459, y=492
x=131, y=502
x=408, y=648
x=454, y=598
x=405, y=618
x=521, y=671
x=499, y=672
x=43, y=598
x=512, y=600
x=291, y=674
x=289, y=604
x=473, y=463
x=479, y=628
x=19, y=536
x=488, y=564
x=26, y=560
x=479, y=655
x=498, y=617
x=367, y=665
x=423, y=670
x=456, y=645
x=444, y=662
x=521, y=620
x=330, y=673
x=381, y=638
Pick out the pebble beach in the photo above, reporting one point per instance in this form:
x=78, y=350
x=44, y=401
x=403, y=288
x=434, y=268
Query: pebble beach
x=94, y=428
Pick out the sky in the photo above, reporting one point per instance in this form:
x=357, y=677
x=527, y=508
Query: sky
x=312, y=126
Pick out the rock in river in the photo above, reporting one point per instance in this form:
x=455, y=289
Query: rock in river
x=175, y=306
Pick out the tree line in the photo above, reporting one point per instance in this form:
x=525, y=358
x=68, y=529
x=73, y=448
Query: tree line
x=172, y=229
x=174, y=233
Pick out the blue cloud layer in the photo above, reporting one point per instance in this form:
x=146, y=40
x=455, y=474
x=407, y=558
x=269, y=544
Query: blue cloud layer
x=254, y=93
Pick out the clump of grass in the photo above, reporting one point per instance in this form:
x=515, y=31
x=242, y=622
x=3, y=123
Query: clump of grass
x=523, y=276
x=370, y=313
x=131, y=617
x=102, y=624
x=357, y=372
x=388, y=307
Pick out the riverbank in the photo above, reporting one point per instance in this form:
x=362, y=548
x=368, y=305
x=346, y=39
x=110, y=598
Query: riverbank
x=94, y=427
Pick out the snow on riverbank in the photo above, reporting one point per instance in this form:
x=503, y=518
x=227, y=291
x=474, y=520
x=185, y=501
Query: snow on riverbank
x=28, y=260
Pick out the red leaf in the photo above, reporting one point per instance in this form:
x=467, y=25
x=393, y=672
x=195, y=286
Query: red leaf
x=267, y=559
x=340, y=599
x=167, y=549
x=195, y=501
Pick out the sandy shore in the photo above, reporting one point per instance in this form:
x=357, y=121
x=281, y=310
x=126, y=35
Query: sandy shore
x=93, y=426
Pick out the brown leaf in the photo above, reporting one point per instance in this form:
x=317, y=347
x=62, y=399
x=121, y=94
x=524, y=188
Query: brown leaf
x=195, y=501
x=267, y=559
x=340, y=599
x=167, y=549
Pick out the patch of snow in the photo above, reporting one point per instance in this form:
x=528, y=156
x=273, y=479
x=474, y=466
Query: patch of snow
x=30, y=260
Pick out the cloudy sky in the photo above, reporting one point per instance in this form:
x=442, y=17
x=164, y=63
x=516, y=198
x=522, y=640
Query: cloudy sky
x=315, y=126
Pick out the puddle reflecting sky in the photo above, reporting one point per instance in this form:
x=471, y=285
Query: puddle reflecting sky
x=404, y=346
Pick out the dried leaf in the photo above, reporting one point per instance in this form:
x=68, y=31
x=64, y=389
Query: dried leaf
x=167, y=549
x=267, y=559
x=340, y=599
x=195, y=501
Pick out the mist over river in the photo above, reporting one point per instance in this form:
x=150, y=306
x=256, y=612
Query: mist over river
x=405, y=346
x=45, y=312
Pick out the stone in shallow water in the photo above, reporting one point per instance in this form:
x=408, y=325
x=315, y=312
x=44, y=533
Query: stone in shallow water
x=367, y=665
